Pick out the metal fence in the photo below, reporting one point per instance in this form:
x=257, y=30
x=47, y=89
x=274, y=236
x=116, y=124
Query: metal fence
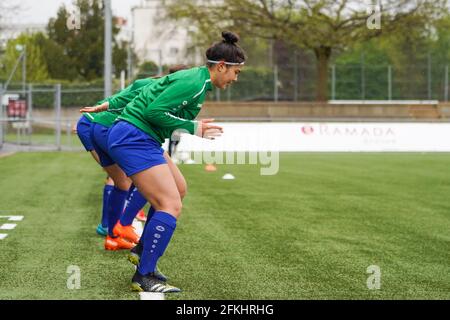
x=345, y=82
x=51, y=109
x=46, y=124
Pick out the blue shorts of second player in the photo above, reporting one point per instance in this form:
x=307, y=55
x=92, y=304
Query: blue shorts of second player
x=84, y=133
x=99, y=134
x=133, y=149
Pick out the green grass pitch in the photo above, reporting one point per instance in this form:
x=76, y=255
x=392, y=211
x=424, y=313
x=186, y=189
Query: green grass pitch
x=309, y=232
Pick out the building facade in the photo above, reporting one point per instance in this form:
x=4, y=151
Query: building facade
x=158, y=40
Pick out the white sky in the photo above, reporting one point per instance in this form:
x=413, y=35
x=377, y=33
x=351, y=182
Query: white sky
x=40, y=11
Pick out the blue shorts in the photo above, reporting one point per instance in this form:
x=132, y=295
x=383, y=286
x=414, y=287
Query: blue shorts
x=84, y=133
x=99, y=134
x=133, y=149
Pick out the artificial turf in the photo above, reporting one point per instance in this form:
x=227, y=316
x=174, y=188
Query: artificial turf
x=308, y=232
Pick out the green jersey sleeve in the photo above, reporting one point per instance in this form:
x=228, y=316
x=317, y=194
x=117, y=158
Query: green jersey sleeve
x=162, y=111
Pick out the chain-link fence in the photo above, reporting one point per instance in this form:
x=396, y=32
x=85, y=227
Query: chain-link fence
x=345, y=82
x=46, y=114
x=43, y=117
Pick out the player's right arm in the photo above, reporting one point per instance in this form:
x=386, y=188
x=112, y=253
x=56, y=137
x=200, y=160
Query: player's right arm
x=96, y=109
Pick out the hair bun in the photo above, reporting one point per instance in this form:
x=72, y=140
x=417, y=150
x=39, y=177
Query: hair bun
x=229, y=37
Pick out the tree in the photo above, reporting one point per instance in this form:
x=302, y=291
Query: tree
x=407, y=52
x=85, y=47
x=119, y=58
x=59, y=65
x=322, y=26
x=148, y=69
x=36, y=67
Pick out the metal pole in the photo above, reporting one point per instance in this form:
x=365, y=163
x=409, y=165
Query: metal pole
x=30, y=111
x=13, y=71
x=446, y=84
x=69, y=129
x=363, y=84
x=429, y=76
x=129, y=61
x=389, y=82
x=160, y=71
x=275, y=83
x=122, y=79
x=295, y=76
x=58, y=116
x=108, y=48
x=271, y=53
x=24, y=69
x=2, y=123
x=333, y=82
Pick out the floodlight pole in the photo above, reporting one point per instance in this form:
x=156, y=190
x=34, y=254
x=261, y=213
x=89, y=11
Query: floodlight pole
x=108, y=48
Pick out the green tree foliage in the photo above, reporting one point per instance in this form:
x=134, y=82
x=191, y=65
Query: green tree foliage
x=321, y=26
x=409, y=53
x=84, y=47
x=36, y=68
x=148, y=69
x=59, y=65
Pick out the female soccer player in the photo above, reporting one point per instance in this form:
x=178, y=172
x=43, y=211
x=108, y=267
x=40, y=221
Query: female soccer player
x=83, y=130
x=122, y=234
x=169, y=104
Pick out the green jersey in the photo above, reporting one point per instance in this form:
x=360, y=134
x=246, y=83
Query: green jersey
x=118, y=101
x=169, y=103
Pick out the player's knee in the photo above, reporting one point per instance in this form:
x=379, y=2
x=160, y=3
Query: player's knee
x=177, y=206
x=172, y=206
x=122, y=184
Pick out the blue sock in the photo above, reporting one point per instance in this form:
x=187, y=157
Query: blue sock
x=150, y=214
x=106, y=193
x=115, y=205
x=135, y=203
x=156, y=239
x=130, y=192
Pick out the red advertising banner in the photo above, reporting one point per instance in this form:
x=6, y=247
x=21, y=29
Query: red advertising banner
x=17, y=108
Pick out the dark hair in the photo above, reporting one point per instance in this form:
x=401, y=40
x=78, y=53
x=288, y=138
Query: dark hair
x=177, y=67
x=226, y=50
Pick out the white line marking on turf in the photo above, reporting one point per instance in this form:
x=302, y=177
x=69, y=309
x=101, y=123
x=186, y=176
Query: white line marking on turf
x=8, y=226
x=13, y=218
x=151, y=296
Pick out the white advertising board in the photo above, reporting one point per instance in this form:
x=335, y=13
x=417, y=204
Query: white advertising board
x=315, y=136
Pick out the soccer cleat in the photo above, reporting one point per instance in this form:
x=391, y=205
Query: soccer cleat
x=117, y=243
x=126, y=232
x=141, y=216
x=135, y=257
x=150, y=283
x=101, y=230
x=135, y=254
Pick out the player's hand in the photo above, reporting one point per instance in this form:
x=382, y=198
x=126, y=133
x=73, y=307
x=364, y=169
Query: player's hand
x=100, y=108
x=208, y=130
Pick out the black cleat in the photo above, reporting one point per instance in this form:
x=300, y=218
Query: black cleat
x=135, y=257
x=135, y=254
x=150, y=283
